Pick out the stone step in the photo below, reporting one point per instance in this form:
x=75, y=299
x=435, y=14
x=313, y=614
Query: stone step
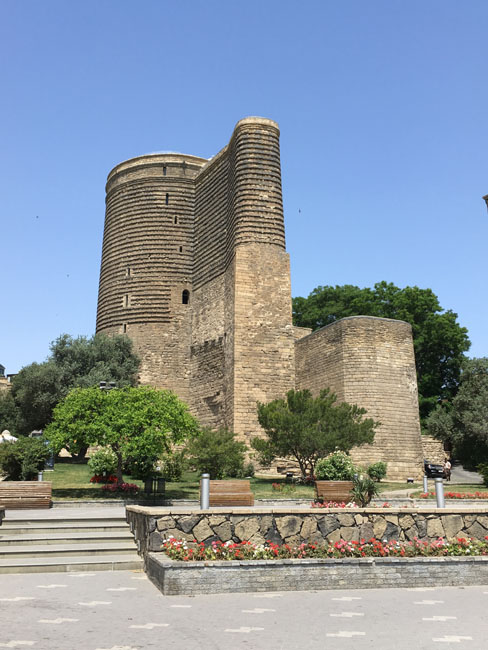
x=112, y=562
x=41, y=542
x=62, y=528
x=62, y=550
x=74, y=537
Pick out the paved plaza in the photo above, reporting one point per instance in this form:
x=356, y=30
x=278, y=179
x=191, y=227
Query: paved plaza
x=123, y=610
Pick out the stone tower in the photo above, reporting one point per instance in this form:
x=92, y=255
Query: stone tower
x=194, y=269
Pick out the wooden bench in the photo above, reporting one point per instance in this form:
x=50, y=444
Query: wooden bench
x=338, y=491
x=16, y=495
x=231, y=493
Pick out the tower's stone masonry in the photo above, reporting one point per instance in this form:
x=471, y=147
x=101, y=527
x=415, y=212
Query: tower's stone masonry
x=370, y=362
x=194, y=269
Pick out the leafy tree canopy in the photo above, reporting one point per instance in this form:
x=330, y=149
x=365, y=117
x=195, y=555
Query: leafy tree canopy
x=439, y=340
x=309, y=428
x=80, y=361
x=464, y=422
x=139, y=424
x=9, y=413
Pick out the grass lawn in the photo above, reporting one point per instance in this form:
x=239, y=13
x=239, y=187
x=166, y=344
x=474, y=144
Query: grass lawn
x=455, y=487
x=72, y=481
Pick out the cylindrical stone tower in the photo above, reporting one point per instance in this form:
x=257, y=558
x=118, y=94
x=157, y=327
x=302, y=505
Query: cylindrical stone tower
x=147, y=255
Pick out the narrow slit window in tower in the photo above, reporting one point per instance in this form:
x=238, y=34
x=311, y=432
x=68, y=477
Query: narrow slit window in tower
x=181, y=249
x=126, y=300
x=164, y=170
x=185, y=297
x=128, y=272
x=124, y=328
x=167, y=198
x=176, y=219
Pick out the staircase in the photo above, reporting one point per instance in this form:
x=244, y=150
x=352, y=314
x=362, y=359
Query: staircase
x=43, y=543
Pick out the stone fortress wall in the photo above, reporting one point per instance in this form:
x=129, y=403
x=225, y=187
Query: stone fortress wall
x=194, y=269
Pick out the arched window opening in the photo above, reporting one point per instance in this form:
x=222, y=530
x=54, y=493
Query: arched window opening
x=167, y=198
x=164, y=170
x=181, y=249
x=185, y=297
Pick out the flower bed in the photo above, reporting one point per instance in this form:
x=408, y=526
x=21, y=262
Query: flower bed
x=455, y=495
x=121, y=488
x=98, y=478
x=181, y=550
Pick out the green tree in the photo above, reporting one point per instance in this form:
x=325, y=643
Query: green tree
x=80, y=361
x=439, y=341
x=9, y=413
x=309, y=428
x=139, y=424
x=464, y=422
x=218, y=453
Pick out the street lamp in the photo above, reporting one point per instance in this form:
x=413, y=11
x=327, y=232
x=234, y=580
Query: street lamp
x=107, y=386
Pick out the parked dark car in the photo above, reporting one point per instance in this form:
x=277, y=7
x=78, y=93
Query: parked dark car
x=433, y=470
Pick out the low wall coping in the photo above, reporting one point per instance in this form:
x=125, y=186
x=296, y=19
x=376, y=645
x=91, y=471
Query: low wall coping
x=167, y=562
x=170, y=510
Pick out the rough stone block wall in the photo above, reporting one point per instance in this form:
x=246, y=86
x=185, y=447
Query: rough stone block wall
x=302, y=525
x=370, y=362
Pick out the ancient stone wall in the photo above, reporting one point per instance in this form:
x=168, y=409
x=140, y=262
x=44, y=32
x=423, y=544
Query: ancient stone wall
x=370, y=362
x=433, y=450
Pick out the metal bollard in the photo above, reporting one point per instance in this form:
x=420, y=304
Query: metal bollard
x=39, y=476
x=426, y=485
x=205, y=492
x=439, y=492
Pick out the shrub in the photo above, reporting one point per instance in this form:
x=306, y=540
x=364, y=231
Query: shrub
x=247, y=471
x=336, y=467
x=218, y=453
x=140, y=467
x=377, y=471
x=173, y=465
x=103, y=460
x=22, y=460
x=364, y=490
x=483, y=470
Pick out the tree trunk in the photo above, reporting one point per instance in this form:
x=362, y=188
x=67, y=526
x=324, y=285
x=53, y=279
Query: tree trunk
x=118, y=453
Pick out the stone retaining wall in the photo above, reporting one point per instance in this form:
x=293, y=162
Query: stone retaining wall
x=191, y=578
x=296, y=525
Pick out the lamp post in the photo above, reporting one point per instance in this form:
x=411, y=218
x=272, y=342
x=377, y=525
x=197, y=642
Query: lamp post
x=107, y=385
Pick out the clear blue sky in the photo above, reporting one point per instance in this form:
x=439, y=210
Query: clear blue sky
x=383, y=111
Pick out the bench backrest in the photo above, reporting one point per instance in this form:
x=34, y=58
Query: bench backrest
x=234, y=487
x=25, y=488
x=334, y=490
